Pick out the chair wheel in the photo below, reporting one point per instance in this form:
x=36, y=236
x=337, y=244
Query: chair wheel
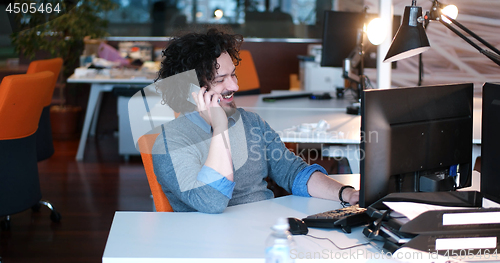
x=55, y=216
x=5, y=224
x=36, y=207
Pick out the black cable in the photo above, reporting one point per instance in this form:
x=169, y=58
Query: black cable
x=325, y=238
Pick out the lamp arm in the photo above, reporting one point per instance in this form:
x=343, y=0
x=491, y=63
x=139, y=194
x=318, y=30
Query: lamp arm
x=484, y=42
x=461, y=35
x=494, y=57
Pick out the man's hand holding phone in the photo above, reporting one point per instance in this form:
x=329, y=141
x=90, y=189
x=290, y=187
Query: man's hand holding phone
x=210, y=110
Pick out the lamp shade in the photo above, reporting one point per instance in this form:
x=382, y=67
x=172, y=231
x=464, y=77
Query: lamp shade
x=410, y=39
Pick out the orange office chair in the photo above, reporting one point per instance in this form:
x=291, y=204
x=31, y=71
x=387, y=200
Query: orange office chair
x=44, y=144
x=248, y=80
x=20, y=110
x=146, y=143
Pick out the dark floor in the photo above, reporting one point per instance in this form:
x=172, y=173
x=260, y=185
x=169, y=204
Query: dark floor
x=87, y=194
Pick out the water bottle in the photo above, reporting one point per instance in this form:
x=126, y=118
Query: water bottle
x=279, y=243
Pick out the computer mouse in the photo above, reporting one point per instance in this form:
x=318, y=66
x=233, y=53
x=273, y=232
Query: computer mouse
x=297, y=226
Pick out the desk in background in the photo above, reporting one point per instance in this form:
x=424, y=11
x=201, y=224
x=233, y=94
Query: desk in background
x=330, y=150
x=98, y=85
x=343, y=135
x=284, y=115
x=281, y=115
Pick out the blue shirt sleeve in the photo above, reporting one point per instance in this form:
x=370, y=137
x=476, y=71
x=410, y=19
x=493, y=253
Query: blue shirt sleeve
x=300, y=183
x=213, y=178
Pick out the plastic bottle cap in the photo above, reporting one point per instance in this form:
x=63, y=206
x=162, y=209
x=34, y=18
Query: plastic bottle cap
x=281, y=224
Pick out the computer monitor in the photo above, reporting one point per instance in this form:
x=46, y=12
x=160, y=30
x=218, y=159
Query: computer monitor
x=490, y=142
x=415, y=139
x=340, y=34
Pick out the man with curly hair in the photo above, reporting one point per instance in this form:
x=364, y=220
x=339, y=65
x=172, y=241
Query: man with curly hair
x=215, y=155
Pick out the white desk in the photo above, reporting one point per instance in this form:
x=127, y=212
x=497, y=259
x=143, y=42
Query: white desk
x=97, y=86
x=283, y=115
x=297, y=104
x=236, y=235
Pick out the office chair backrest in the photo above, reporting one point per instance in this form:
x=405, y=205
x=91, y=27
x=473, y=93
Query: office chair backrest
x=44, y=144
x=20, y=110
x=246, y=72
x=20, y=103
x=146, y=143
x=53, y=65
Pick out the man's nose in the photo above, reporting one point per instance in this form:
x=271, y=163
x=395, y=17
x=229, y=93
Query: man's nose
x=233, y=84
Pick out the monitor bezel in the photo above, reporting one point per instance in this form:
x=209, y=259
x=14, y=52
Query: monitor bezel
x=456, y=97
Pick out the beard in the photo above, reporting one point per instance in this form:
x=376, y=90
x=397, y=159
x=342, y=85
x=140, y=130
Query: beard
x=229, y=108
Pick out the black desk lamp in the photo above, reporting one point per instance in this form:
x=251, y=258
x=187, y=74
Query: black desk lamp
x=411, y=39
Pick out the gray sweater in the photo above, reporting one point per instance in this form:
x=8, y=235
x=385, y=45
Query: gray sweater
x=181, y=149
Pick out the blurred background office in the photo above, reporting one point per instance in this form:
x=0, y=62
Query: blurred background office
x=278, y=34
x=302, y=21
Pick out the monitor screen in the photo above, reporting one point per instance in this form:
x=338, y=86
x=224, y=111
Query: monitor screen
x=416, y=139
x=340, y=34
x=490, y=142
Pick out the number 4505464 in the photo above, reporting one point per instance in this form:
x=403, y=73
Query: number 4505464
x=32, y=8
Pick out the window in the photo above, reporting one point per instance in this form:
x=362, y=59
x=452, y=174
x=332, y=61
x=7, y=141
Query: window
x=251, y=18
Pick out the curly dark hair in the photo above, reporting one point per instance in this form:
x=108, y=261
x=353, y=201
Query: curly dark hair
x=198, y=51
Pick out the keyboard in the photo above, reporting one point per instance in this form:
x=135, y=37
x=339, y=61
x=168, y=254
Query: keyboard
x=345, y=218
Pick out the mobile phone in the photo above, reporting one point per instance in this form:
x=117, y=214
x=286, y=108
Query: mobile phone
x=193, y=88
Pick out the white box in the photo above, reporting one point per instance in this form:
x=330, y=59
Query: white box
x=313, y=77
